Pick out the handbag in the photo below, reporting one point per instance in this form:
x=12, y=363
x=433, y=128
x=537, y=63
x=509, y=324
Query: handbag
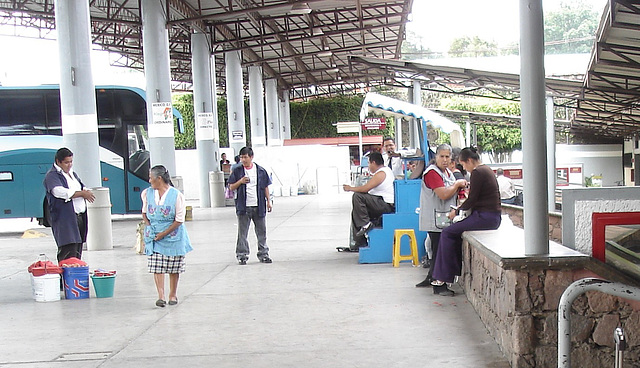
x=442, y=219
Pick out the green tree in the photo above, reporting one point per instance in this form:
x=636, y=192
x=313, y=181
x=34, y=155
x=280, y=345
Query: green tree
x=571, y=29
x=412, y=48
x=498, y=140
x=472, y=47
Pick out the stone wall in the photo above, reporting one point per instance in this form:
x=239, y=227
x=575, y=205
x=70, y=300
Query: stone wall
x=555, y=221
x=519, y=308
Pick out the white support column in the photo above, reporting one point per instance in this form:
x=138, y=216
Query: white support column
x=207, y=145
x=551, y=155
x=77, y=91
x=285, y=115
x=155, y=48
x=398, y=133
x=235, y=101
x=256, y=107
x=273, y=120
x=534, y=141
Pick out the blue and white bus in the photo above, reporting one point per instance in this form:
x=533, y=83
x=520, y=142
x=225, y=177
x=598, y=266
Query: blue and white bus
x=31, y=132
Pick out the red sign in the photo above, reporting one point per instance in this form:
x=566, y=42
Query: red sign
x=513, y=173
x=575, y=170
x=374, y=123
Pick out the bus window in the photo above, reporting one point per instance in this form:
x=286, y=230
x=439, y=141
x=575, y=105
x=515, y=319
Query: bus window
x=6, y=176
x=138, y=154
x=22, y=113
x=52, y=100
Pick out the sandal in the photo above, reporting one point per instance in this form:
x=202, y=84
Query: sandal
x=161, y=303
x=173, y=302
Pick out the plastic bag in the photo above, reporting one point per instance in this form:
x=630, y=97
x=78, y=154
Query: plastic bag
x=43, y=266
x=228, y=193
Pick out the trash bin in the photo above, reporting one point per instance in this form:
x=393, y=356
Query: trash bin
x=99, y=235
x=216, y=188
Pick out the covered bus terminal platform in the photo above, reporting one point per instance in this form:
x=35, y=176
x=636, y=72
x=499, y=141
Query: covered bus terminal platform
x=312, y=306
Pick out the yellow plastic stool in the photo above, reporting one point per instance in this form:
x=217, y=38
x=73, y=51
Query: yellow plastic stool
x=397, y=237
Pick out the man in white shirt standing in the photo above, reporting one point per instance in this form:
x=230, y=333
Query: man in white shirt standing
x=251, y=182
x=507, y=190
x=66, y=196
x=392, y=158
x=371, y=200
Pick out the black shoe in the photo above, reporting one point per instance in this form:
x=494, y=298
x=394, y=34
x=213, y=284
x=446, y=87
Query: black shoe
x=265, y=260
x=424, y=283
x=242, y=261
x=443, y=290
x=363, y=230
x=160, y=303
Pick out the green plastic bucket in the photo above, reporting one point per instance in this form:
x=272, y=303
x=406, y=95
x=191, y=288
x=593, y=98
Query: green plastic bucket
x=104, y=285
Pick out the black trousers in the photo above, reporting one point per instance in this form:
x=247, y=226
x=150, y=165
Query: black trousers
x=434, y=237
x=75, y=249
x=366, y=207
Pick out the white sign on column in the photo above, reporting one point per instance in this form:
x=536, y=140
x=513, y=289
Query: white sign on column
x=162, y=124
x=204, y=129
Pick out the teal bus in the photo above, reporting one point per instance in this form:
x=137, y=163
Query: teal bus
x=31, y=132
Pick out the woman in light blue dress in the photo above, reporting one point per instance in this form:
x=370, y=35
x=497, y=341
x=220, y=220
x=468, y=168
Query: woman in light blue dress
x=165, y=238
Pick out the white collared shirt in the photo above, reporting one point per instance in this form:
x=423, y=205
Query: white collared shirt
x=79, y=205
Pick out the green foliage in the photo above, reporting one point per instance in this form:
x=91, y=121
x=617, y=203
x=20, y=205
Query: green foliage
x=472, y=47
x=315, y=118
x=187, y=140
x=570, y=29
x=184, y=104
x=496, y=139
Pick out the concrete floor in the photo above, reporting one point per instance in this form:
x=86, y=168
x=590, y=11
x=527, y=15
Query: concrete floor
x=312, y=307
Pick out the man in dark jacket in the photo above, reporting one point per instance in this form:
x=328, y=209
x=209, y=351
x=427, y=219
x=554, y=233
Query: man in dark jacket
x=66, y=196
x=251, y=182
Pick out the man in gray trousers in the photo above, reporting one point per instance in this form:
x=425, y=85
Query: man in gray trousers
x=251, y=182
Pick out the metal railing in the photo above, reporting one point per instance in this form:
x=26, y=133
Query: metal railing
x=564, y=310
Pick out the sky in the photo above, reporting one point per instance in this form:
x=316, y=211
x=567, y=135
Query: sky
x=437, y=22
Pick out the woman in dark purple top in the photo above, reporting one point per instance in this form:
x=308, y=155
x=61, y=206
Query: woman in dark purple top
x=484, y=203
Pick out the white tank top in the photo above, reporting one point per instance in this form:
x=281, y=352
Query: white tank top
x=385, y=189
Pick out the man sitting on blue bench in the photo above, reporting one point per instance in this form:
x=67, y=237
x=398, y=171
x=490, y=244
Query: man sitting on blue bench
x=371, y=200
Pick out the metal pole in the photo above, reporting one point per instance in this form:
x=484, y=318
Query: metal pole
x=532, y=95
x=468, y=132
x=235, y=101
x=417, y=100
x=551, y=155
x=207, y=147
x=399, y=132
x=273, y=120
x=77, y=91
x=155, y=48
x=564, y=309
x=256, y=107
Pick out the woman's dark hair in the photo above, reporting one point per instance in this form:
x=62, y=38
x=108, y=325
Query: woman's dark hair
x=455, y=157
x=63, y=153
x=236, y=158
x=160, y=171
x=469, y=152
x=376, y=157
